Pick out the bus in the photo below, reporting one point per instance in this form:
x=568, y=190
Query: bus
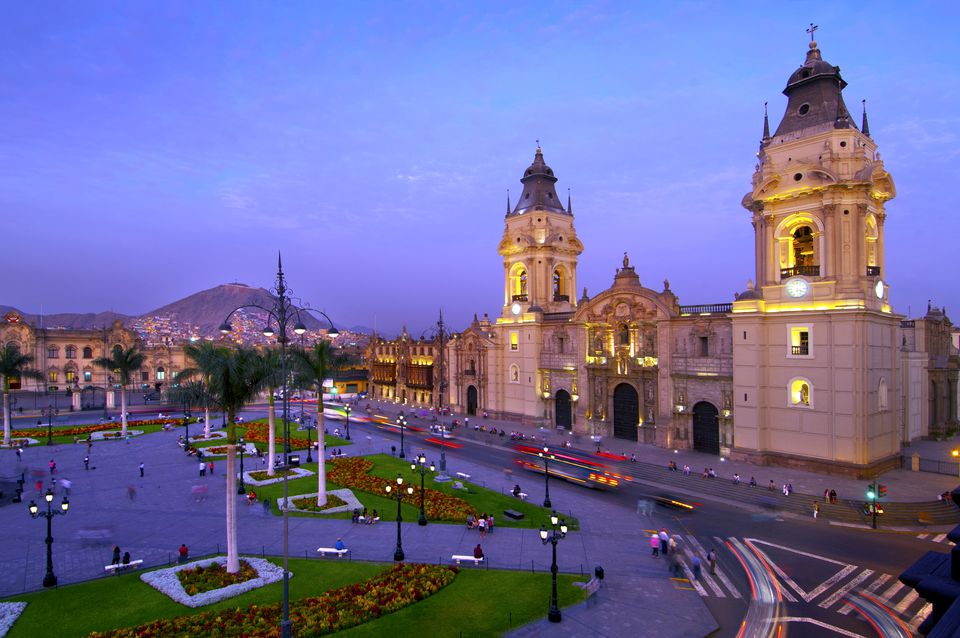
x=570, y=466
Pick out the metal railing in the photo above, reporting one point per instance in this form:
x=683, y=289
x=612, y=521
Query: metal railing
x=518, y=298
x=800, y=350
x=803, y=271
x=873, y=271
x=710, y=308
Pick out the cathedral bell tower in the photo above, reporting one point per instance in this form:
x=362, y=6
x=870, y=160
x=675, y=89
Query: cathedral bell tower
x=816, y=372
x=539, y=247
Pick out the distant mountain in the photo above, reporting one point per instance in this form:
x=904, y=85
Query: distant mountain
x=208, y=308
x=368, y=330
x=71, y=320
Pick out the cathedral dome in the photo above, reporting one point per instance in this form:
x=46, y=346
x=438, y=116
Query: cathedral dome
x=539, y=192
x=815, y=97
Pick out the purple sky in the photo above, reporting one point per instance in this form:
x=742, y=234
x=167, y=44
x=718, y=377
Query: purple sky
x=151, y=150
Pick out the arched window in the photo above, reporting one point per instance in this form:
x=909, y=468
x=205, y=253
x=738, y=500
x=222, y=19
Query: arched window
x=560, y=286
x=71, y=352
x=52, y=376
x=514, y=373
x=161, y=374
x=872, y=234
x=14, y=344
x=800, y=393
x=624, y=335
x=522, y=282
x=53, y=352
x=882, y=395
x=803, y=254
x=87, y=352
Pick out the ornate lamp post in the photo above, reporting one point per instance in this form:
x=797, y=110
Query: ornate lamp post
x=49, y=580
x=398, y=553
x=553, y=536
x=402, y=422
x=348, y=410
x=49, y=413
x=305, y=420
x=420, y=465
x=440, y=335
x=241, y=488
x=547, y=457
x=282, y=312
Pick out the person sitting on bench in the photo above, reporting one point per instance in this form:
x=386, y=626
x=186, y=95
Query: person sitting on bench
x=478, y=552
x=471, y=521
x=517, y=491
x=126, y=559
x=340, y=545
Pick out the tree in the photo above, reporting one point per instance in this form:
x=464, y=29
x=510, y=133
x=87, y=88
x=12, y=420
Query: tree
x=13, y=365
x=124, y=363
x=203, y=355
x=314, y=366
x=189, y=394
x=235, y=377
x=273, y=377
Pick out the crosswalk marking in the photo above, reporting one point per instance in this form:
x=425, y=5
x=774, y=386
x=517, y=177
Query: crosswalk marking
x=922, y=536
x=891, y=592
x=693, y=581
x=906, y=601
x=939, y=538
x=920, y=617
x=837, y=595
x=872, y=588
x=696, y=549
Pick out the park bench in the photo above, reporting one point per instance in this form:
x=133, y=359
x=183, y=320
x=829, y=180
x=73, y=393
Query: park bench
x=464, y=476
x=116, y=569
x=463, y=557
x=323, y=551
x=591, y=587
x=514, y=514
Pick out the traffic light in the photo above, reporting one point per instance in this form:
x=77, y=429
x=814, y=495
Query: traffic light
x=882, y=489
x=870, y=493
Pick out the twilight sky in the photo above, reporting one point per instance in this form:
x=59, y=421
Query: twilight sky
x=152, y=150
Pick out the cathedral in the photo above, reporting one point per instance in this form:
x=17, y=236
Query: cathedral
x=810, y=365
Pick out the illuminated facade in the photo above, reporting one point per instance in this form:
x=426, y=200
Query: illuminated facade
x=401, y=370
x=809, y=366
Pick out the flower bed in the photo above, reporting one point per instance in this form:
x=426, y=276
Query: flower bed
x=204, y=578
x=113, y=435
x=310, y=504
x=9, y=612
x=349, y=502
x=259, y=432
x=261, y=475
x=98, y=427
x=167, y=582
x=353, y=473
x=293, y=473
x=402, y=585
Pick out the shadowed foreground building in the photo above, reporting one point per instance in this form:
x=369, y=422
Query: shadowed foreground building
x=809, y=365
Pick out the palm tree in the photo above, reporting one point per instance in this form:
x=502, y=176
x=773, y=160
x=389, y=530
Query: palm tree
x=123, y=363
x=235, y=377
x=13, y=365
x=273, y=377
x=189, y=394
x=203, y=354
x=313, y=367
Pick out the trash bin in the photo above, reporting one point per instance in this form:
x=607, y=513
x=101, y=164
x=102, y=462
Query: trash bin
x=598, y=572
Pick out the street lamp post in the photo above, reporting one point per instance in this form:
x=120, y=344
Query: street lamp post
x=402, y=422
x=241, y=488
x=282, y=312
x=420, y=465
x=547, y=457
x=557, y=532
x=186, y=428
x=305, y=420
x=440, y=335
x=398, y=553
x=49, y=413
x=348, y=409
x=50, y=579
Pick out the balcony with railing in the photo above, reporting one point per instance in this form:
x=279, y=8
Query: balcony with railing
x=873, y=271
x=706, y=309
x=561, y=297
x=802, y=271
x=519, y=297
x=800, y=351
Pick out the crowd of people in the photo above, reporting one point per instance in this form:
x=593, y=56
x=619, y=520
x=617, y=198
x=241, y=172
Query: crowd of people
x=483, y=523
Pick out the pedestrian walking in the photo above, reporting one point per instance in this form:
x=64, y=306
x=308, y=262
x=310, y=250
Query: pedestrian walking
x=655, y=545
x=132, y=492
x=67, y=484
x=833, y=496
x=816, y=510
x=826, y=495
x=116, y=555
x=210, y=467
x=86, y=462
x=672, y=545
x=664, y=540
x=203, y=469
x=19, y=453
x=53, y=467
x=712, y=559
x=695, y=561
x=141, y=469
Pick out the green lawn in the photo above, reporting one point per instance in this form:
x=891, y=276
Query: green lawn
x=387, y=467
x=477, y=603
x=40, y=433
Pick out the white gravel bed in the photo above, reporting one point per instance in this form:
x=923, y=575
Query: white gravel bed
x=249, y=449
x=213, y=435
x=298, y=472
x=9, y=612
x=101, y=436
x=166, y=581
x=346, y=495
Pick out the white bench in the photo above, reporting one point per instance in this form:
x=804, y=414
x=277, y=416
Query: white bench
x=522, y=496
x=464, y=476
x=323, y=551
x=590, y=588
x=118, y=568
x=458, y=557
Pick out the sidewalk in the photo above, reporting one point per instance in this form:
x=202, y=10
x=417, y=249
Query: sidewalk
x=165, y=514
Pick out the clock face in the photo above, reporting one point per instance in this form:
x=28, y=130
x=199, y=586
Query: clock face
x=515, y=308
x=797, y=287
x=879, y=289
